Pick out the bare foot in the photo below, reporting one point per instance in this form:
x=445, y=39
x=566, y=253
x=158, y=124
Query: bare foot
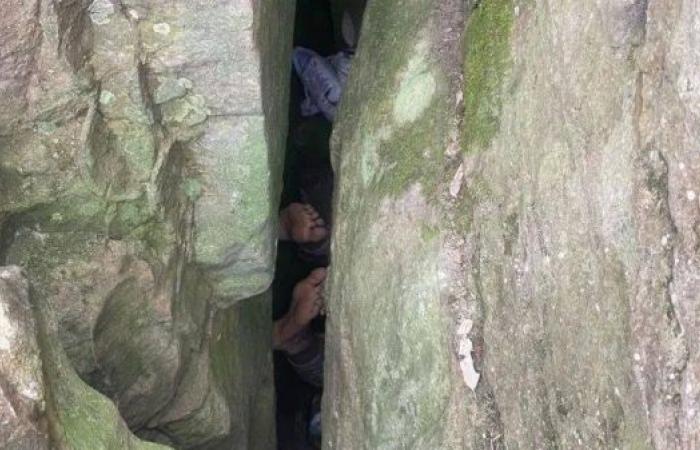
x=307, y=303
x=307, y=298
x=302, y=224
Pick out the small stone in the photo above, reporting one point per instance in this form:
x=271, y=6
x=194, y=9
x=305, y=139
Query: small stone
x=691, y=195
x=637, y=357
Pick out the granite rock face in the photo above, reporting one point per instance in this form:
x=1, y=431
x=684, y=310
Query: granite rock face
x=516, y=254
x=141, y=147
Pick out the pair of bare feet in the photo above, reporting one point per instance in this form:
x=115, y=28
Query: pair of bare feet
x=302, y=224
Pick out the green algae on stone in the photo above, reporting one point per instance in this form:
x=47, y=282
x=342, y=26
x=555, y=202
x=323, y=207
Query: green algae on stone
x=487, y=59
x=402, y=136
x=389, y=377
x=414, y=152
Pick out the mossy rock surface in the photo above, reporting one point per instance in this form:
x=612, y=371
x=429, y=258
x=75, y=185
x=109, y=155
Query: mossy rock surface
x=389, y=373
x=524, y=225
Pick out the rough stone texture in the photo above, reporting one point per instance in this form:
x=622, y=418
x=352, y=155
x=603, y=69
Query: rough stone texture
x=534, y=216
x=43, y=403
x=391, y=377
x=22, y=396
x=140, y=168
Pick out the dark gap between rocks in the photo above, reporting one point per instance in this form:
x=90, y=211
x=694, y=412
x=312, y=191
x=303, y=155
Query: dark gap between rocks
x=308, y=179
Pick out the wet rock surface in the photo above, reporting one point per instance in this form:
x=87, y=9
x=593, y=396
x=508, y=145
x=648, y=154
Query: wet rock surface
x=527, y=212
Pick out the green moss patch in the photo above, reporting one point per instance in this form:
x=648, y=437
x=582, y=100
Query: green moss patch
x=413, y=153
x=487, y=40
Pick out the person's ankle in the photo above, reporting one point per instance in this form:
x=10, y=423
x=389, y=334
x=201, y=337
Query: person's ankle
x=288, y=335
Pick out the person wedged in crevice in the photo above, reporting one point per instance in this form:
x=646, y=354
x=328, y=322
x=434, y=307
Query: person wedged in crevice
x=305, y=223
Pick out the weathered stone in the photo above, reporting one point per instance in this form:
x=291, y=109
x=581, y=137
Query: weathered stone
x=543, y=214
x=391, y=375
x=23, y=423
x=141, y=148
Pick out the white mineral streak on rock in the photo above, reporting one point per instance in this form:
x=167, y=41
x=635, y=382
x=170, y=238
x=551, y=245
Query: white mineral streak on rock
x=466, y=363
x=456, y=184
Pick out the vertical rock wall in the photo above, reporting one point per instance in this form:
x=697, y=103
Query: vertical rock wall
x=516, y=258
x=391, y=373
x=141, y=146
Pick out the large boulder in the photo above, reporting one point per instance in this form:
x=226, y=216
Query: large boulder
x=516, y=254
x=141, y=148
